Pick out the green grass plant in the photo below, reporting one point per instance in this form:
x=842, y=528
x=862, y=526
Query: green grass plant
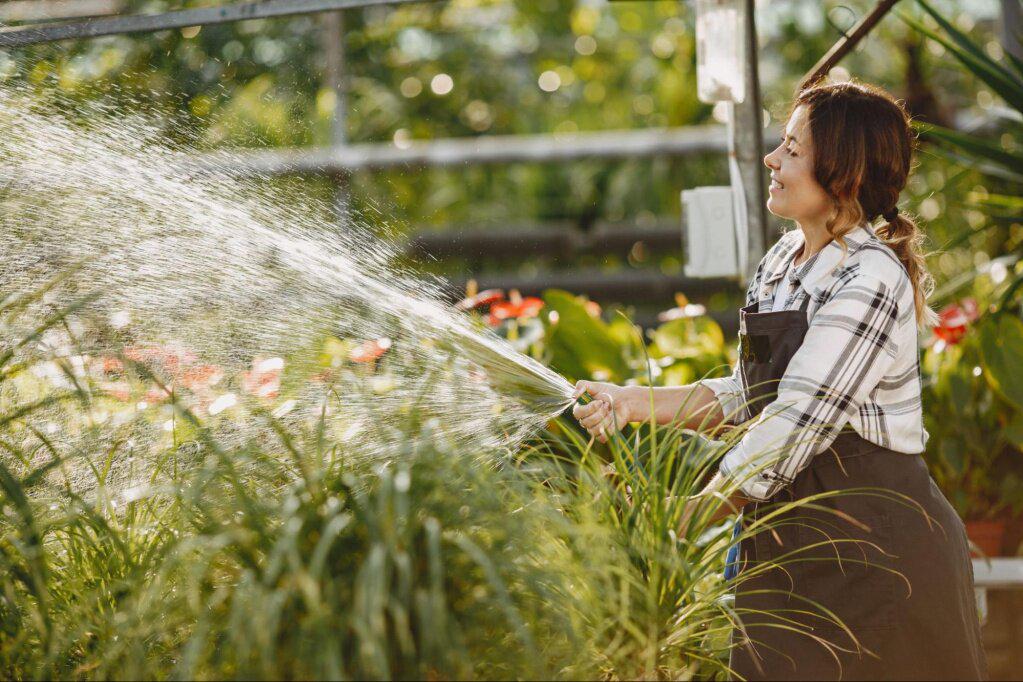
x=288, y=554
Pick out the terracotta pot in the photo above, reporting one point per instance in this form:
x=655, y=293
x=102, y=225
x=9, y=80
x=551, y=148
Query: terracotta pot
x=987, y=535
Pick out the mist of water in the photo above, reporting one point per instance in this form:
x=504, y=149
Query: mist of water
x=238, y=297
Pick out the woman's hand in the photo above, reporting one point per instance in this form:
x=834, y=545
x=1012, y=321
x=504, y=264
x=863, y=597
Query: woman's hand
x=608, y=400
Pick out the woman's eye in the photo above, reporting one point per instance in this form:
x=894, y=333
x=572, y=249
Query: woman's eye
x=789, y=150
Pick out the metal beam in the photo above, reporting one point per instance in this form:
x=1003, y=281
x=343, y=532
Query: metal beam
x=846, y=44
x=140, y=23
x=484, y=149
x=998, y=572
x=749, y=149
x=51, y=10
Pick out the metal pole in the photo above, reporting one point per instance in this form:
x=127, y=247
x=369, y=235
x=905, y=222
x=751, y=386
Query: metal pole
x=334, y=74
x=846, y=44
x=748, y=148
x=140, y=23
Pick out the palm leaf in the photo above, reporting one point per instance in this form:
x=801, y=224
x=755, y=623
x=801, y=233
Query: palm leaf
x=976, y=146
x=1007, y=84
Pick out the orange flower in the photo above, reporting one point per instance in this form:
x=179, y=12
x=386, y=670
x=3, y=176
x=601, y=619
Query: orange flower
x=514, y=309
x=367, y=351
x=486, y=297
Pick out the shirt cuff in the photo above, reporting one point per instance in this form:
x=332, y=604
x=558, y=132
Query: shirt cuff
x=757, y=486
x=729, y=395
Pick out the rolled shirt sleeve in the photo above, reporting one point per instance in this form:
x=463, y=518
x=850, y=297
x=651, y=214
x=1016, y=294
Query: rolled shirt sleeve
x=848, y=348
x=729, y=393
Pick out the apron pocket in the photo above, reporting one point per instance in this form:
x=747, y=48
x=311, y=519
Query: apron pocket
x=845, y=573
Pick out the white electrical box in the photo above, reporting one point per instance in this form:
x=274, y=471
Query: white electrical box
x=709, y=244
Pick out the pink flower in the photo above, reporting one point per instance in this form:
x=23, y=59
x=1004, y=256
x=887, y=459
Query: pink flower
x=200, y=377
x=368, y=351
x=118, y=390
x=264, y=381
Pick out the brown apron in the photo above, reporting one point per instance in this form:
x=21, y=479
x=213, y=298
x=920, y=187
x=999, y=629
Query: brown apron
x=922, y=624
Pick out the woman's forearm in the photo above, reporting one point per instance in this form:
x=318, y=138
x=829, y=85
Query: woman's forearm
x=692, y=406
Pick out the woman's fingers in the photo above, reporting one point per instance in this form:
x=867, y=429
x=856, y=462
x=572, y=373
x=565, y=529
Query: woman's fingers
x=595, y=416
x=581, y=412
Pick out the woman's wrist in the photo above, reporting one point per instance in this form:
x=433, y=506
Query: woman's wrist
x=635, y=404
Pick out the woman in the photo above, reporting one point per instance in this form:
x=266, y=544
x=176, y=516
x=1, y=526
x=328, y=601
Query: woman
x=829, y=381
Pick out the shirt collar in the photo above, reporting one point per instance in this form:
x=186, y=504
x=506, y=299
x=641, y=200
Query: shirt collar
x=809, y=273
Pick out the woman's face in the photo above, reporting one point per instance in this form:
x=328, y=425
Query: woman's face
x=794, y=192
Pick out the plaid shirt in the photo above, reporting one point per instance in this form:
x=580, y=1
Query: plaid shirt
x=858, y=364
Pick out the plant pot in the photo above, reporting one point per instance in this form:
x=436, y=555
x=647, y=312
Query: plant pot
x=987, y=535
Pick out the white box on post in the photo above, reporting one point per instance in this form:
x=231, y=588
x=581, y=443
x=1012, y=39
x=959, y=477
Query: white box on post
x=708, y=232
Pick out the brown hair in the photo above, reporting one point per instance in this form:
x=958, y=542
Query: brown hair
x=863, y=144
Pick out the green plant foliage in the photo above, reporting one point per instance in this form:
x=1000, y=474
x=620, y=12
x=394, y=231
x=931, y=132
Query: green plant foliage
x=1001, y=344
x=581, y=345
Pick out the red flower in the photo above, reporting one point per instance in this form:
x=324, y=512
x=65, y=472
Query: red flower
x=486, y=297
x=367, y=351
x=514, y=309
x=954, y=319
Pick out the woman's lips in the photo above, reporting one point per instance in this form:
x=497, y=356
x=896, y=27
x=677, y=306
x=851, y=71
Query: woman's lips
x=775, y=186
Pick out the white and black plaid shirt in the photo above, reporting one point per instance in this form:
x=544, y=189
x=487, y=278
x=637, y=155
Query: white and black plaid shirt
x=858, y=364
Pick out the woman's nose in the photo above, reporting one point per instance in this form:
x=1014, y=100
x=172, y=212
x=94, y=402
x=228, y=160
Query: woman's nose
x=769, y=161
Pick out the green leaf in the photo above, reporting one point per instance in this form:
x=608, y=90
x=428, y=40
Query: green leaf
x=1000, y=79
x=689, y=337
x=579, y=343
x=1001, y=347
x=952, y=452
x=1013, y=431
x=976, y=146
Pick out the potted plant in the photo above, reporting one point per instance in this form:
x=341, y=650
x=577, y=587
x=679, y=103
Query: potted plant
x=975, y=426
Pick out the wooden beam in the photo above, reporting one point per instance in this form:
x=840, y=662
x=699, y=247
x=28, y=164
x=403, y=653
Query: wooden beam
x=847, y=43
x=141, y=23
x=484, y=149
x=624, y=286
x=544, y=240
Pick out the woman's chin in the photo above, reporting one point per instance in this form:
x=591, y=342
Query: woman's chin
x=774, y=208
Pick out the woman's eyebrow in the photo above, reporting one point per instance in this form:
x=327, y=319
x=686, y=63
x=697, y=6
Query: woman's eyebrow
x=790, y=137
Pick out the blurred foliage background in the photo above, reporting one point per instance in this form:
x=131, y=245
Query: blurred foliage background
x=477, y=67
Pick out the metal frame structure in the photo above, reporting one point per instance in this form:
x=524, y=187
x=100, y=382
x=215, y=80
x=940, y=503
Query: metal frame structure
x=341, y=159
x=142, y=23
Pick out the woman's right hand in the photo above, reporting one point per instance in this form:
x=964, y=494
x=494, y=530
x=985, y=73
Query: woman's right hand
x=608, y=399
